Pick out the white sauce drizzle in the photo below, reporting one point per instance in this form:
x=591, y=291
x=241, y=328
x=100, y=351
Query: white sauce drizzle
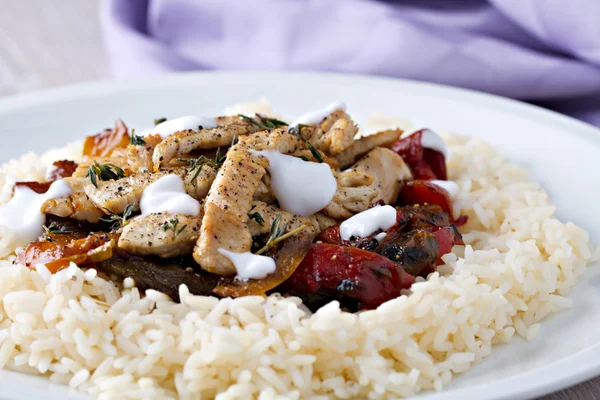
x=450, y=186
x=368, y=222
x=315, y=117
x=433, y=141
x=22, y=214
x=168, y=195
x=171, y=126
x=301, y=187
x=380, y=236
x=250, y=266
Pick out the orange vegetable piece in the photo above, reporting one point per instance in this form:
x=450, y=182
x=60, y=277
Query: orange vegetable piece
x=104, y=143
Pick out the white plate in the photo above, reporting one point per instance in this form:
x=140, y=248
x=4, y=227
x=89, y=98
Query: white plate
x=561, y=152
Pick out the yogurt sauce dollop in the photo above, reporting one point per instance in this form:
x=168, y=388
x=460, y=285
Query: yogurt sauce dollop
x=22, y=214
x=433, y=141
x=171, y=126
x=314, y=117
x=168, y=195
x=301, y=187
x=450, y=186
x=250, y=266
x=368, y=222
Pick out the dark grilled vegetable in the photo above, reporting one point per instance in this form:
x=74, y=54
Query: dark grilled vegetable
x=163, y=275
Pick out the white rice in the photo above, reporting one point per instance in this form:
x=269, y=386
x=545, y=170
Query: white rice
x=80, y=330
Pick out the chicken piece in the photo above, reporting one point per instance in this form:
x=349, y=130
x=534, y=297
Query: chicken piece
x=181, y=143
x=365, y=144
x=333, y=135
x=224, y=225
x=115, y=196
x=277, y=139
x=354, y=194
x=77, y=205
x=164, y=235
x=263, y=191
x=314, y=224
x=118, y=158
x=139, y=157
x=388, y=170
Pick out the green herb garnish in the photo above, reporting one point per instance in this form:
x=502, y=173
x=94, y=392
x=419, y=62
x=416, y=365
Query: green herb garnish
x=136, y=140
x=316, y=154
x=52, y=229
x=195, y=164
x=278, y=233
x=159, y=121
x=264, y=122
x=104, y=172
x=302, y=158
x=117, y=221
x=172, y=225
x=257, y=217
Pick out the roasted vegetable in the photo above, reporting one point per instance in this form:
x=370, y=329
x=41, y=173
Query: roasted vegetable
x=58, y=253
x=163, y=275
x=424, y=163
x=104, y=143
x=288, y=257
x=424, y=192
x=359, y=279
x=62, y=169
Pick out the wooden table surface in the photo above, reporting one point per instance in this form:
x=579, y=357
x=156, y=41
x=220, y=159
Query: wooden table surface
x=45, y=43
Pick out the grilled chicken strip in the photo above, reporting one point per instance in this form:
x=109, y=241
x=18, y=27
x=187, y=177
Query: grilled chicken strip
x=181, y=143
x=225, y=221
x=333, y=135
x=365, y=144
x=164, y=235
x=354, y=194
x=314, y=224
x=224, y=225
x=114, y=196
x=77, y=205
x=388, y=170
x=139, y=157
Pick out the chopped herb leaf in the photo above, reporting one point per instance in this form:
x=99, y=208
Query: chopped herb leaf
x=195, y=164
x=302, y=158
x=171, y=224
x=159, y=121
x=264, y=122
x=52, y=230
x=316, y=154
x=136, y=140
x=117, y=221
x=277, y=234
x=104, y=172
x=257, y=217
x=180, y=230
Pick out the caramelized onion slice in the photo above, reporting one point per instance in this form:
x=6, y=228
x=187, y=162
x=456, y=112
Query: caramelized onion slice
x=287, y=258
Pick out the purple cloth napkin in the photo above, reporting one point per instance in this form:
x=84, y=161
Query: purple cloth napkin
x=542, y=51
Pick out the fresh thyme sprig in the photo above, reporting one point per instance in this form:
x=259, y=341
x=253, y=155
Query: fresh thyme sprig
x=136, y=140
x=104, y=172
x=278, y=233
x=195, y=164
x=257, y=217
x=316, y=154
x=172, y=225
x=159, y=121
x=117, y=221
x=52, y=229
x=263, y=121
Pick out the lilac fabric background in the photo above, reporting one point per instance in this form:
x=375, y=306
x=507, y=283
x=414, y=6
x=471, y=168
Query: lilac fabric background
x=542, y=51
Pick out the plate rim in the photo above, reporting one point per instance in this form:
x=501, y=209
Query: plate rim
x=557, y=375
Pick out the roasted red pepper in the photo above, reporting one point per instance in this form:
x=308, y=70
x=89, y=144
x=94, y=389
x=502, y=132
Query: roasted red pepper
x=425, y=164
x=424, y=192
x=359, y=279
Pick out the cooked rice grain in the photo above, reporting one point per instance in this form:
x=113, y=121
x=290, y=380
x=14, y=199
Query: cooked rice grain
x=517, y=266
